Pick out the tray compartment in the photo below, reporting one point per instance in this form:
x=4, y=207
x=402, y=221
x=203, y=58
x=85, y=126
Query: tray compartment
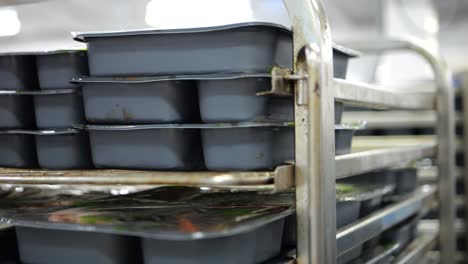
x=56, y=69
x=406, y=180
x=233, y=100
x=72, y=247
x=18, y=72
x=249, y=47
x=16, y=111
x=254, y=246
x=157, y=149
x=146, y=102
x=257, y=148
x=60, y=110
x=17, y=151
x=63, y=151
x=402, y=235
x=343, y=140
x=246, y=148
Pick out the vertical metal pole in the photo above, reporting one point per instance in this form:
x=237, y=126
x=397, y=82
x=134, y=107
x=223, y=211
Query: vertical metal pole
x=314, y=131
x=464, y=94
x=446, y=162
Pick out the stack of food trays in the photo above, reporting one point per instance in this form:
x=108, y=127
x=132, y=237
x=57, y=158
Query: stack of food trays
x=178, y=100
x=188, y=99
x=39, y=108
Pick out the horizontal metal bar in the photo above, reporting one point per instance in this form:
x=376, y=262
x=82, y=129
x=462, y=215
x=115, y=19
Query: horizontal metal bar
x=429, y=225
x=378, y=97
x=369, y=227
x=430, y=174
x=281, y=178
x=395, y=119
x=418, y=248
x=363, y=143
x=367, y=161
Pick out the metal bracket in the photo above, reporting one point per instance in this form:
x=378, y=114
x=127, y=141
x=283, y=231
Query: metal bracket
x=282, y=82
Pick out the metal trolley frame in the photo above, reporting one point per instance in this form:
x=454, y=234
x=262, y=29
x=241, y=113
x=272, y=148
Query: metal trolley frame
x=316, y=168
x=315, y=91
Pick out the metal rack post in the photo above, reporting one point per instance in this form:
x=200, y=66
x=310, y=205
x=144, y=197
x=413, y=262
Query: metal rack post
x=314, y=92
x=464, y=94
x=314, y=133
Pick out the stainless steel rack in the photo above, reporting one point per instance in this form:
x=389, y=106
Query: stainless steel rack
x=316, y=168
x=315, y=93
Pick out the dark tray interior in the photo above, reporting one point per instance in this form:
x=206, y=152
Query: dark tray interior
x=58, y=247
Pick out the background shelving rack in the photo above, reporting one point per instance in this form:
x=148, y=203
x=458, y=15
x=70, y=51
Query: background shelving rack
x=316, y=169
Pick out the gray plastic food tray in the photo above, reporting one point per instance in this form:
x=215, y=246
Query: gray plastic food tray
x=403, y=235
x=252, y=247
x=17, y=151
x=18, y=72
x=62, y=150
x=173, y=99
x=9, y=250
x=56, y=69
x=247, y=47
x=406, y=180
x=145, y=102
x=237, y=146
x=60, y=108
x=158, y=149
x=72, y=247
x=343, y=140
x=347, y=212
x=16, y=111
x=244, y=47
x=371, y=205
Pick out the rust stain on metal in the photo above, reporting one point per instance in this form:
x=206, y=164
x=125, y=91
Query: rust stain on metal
x=127, y=116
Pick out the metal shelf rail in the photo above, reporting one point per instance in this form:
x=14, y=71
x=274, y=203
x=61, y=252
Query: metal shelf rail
x=316, y=169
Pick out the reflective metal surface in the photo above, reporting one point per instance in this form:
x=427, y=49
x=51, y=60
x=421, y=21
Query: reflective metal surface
x=314, y=135
x=367, y=161
x=445, y=128
x=171, y=213
x=418, y=248
x=373, y=96
x=315, y=184
x=280, y=179
x=464, y=94
x=397, y=119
